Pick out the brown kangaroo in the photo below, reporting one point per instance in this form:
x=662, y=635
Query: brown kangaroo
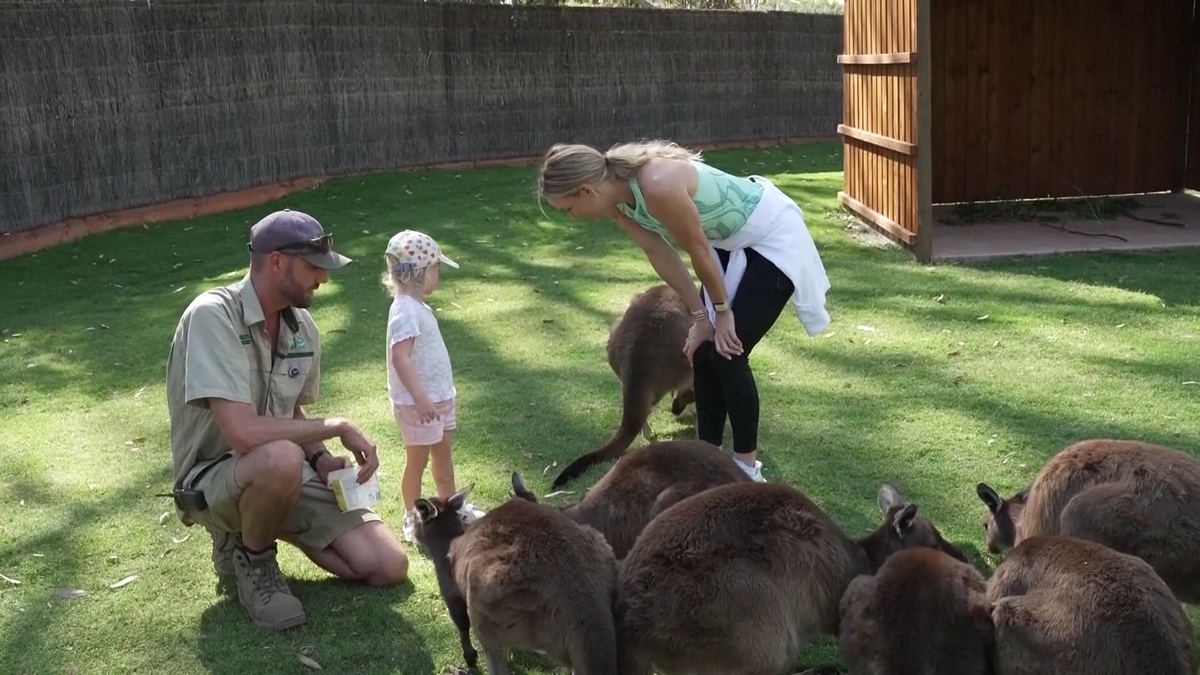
x=641, y=485
x=1070, y=606
x=1134, y=497
x=922, y=613
x=645, y=350
x=529, y=578
x=738, y=578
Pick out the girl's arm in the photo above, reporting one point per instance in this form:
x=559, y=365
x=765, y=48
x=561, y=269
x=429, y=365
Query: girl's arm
x=402, y=362
x=665, y=190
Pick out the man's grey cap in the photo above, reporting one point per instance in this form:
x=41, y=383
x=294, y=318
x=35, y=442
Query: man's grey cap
x=291, y=231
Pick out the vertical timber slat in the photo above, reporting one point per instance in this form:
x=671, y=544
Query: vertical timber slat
x=882, y=132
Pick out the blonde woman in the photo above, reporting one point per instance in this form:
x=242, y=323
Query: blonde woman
x=746, y=240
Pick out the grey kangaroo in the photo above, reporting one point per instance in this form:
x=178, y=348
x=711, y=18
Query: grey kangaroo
x=737, y=579
x=922, y=613
x=1067, y=606
x=645, y=350
x=530, y=578
x=1134, y=497
x=642, y=484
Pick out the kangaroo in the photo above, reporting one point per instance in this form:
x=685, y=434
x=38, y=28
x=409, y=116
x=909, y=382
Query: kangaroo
x=738, y=578
x=923, y=613
x=530, y=578
x=1070, y=606
x=645, y=350
x=1134, y=497
x=641, y=485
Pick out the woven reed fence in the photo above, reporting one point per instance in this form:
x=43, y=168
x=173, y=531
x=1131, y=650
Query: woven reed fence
x=114, y=104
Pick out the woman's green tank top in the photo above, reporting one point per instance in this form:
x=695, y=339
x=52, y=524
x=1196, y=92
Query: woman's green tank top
x=724, y=201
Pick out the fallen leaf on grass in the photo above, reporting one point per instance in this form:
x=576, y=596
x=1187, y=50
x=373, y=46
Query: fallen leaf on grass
x=163, y=518
x=10, y=580
x=559, y=492
x=981, y=318
x=1190, y=382
x=940, y=298
x=179, y=290
x=866, y=328
x=956, y=352
x=72, y=593
x=304, y=660
x=527, y=455
x=180, y=541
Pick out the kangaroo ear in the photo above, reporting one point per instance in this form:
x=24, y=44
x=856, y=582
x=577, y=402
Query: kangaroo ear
x=426, y=511
x=889, y=496
x=1022, y=496
x=902, y=521
x=519, y=488
x=459, y=498
x=989, y=497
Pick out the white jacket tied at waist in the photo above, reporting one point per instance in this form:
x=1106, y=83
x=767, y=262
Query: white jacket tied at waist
x=777, y=231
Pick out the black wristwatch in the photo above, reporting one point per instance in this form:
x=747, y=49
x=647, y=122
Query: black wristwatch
x=312, y=461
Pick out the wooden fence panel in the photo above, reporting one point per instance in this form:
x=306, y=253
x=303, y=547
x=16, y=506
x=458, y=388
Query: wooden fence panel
x=1192, y=158
x=880, y=111
x=1055, y=98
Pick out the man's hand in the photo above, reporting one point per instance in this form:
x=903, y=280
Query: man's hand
x=327, y=464
x=364, y=451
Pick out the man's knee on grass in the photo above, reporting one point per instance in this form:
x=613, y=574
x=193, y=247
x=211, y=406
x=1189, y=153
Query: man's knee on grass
x=277, y=467
x=375, y=555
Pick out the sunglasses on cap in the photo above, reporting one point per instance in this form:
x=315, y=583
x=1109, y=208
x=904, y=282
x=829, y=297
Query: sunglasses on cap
x=321, y=244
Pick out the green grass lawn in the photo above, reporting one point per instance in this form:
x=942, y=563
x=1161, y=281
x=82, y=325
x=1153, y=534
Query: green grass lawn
x=932, y=377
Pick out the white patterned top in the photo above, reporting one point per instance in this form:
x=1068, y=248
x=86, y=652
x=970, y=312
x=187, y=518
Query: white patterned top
x=409, y=317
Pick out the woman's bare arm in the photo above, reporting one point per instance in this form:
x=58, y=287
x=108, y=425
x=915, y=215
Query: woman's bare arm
x=665, y=189
x=665, y=261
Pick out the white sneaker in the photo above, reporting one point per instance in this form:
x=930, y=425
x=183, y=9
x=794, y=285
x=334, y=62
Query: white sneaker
x=410, y=523
x=470, y=513
x=754, y=472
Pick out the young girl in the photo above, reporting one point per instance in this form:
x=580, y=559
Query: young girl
x=420, y=381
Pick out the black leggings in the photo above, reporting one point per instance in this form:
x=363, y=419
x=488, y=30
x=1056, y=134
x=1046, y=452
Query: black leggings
x=726, y=386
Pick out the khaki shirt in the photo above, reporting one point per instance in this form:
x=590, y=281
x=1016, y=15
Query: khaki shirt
x=221, y=350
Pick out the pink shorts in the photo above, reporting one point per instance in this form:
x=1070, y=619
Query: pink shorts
x=415, y=432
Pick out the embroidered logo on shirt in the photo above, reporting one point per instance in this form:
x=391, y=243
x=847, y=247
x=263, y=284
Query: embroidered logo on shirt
x=298, y=342
x=245, y=338
x=294, y=372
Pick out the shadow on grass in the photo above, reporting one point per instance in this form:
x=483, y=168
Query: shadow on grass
x=53, y=563
x=1171, y=276
x=338, y=613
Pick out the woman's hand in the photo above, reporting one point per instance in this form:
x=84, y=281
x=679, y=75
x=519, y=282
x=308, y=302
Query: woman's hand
x=725, y=337
x=700, y=332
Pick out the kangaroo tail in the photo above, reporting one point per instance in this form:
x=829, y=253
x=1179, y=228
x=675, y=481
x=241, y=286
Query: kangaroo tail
x=637, y=400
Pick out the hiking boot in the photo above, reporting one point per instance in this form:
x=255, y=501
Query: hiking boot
x=222, y=552
x=264, y=592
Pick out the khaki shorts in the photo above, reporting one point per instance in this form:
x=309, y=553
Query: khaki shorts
x=315, y=519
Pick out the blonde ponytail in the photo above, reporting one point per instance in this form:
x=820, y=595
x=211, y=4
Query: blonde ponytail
x=626, y=159
x=566, y=167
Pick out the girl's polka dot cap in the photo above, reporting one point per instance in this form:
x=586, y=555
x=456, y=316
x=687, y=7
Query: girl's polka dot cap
x=417, y=249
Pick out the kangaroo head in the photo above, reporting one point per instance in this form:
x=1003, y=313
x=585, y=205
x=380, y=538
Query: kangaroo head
x=902, y=528
x=1000, y=525
x=681, y=400
x=438, y=521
